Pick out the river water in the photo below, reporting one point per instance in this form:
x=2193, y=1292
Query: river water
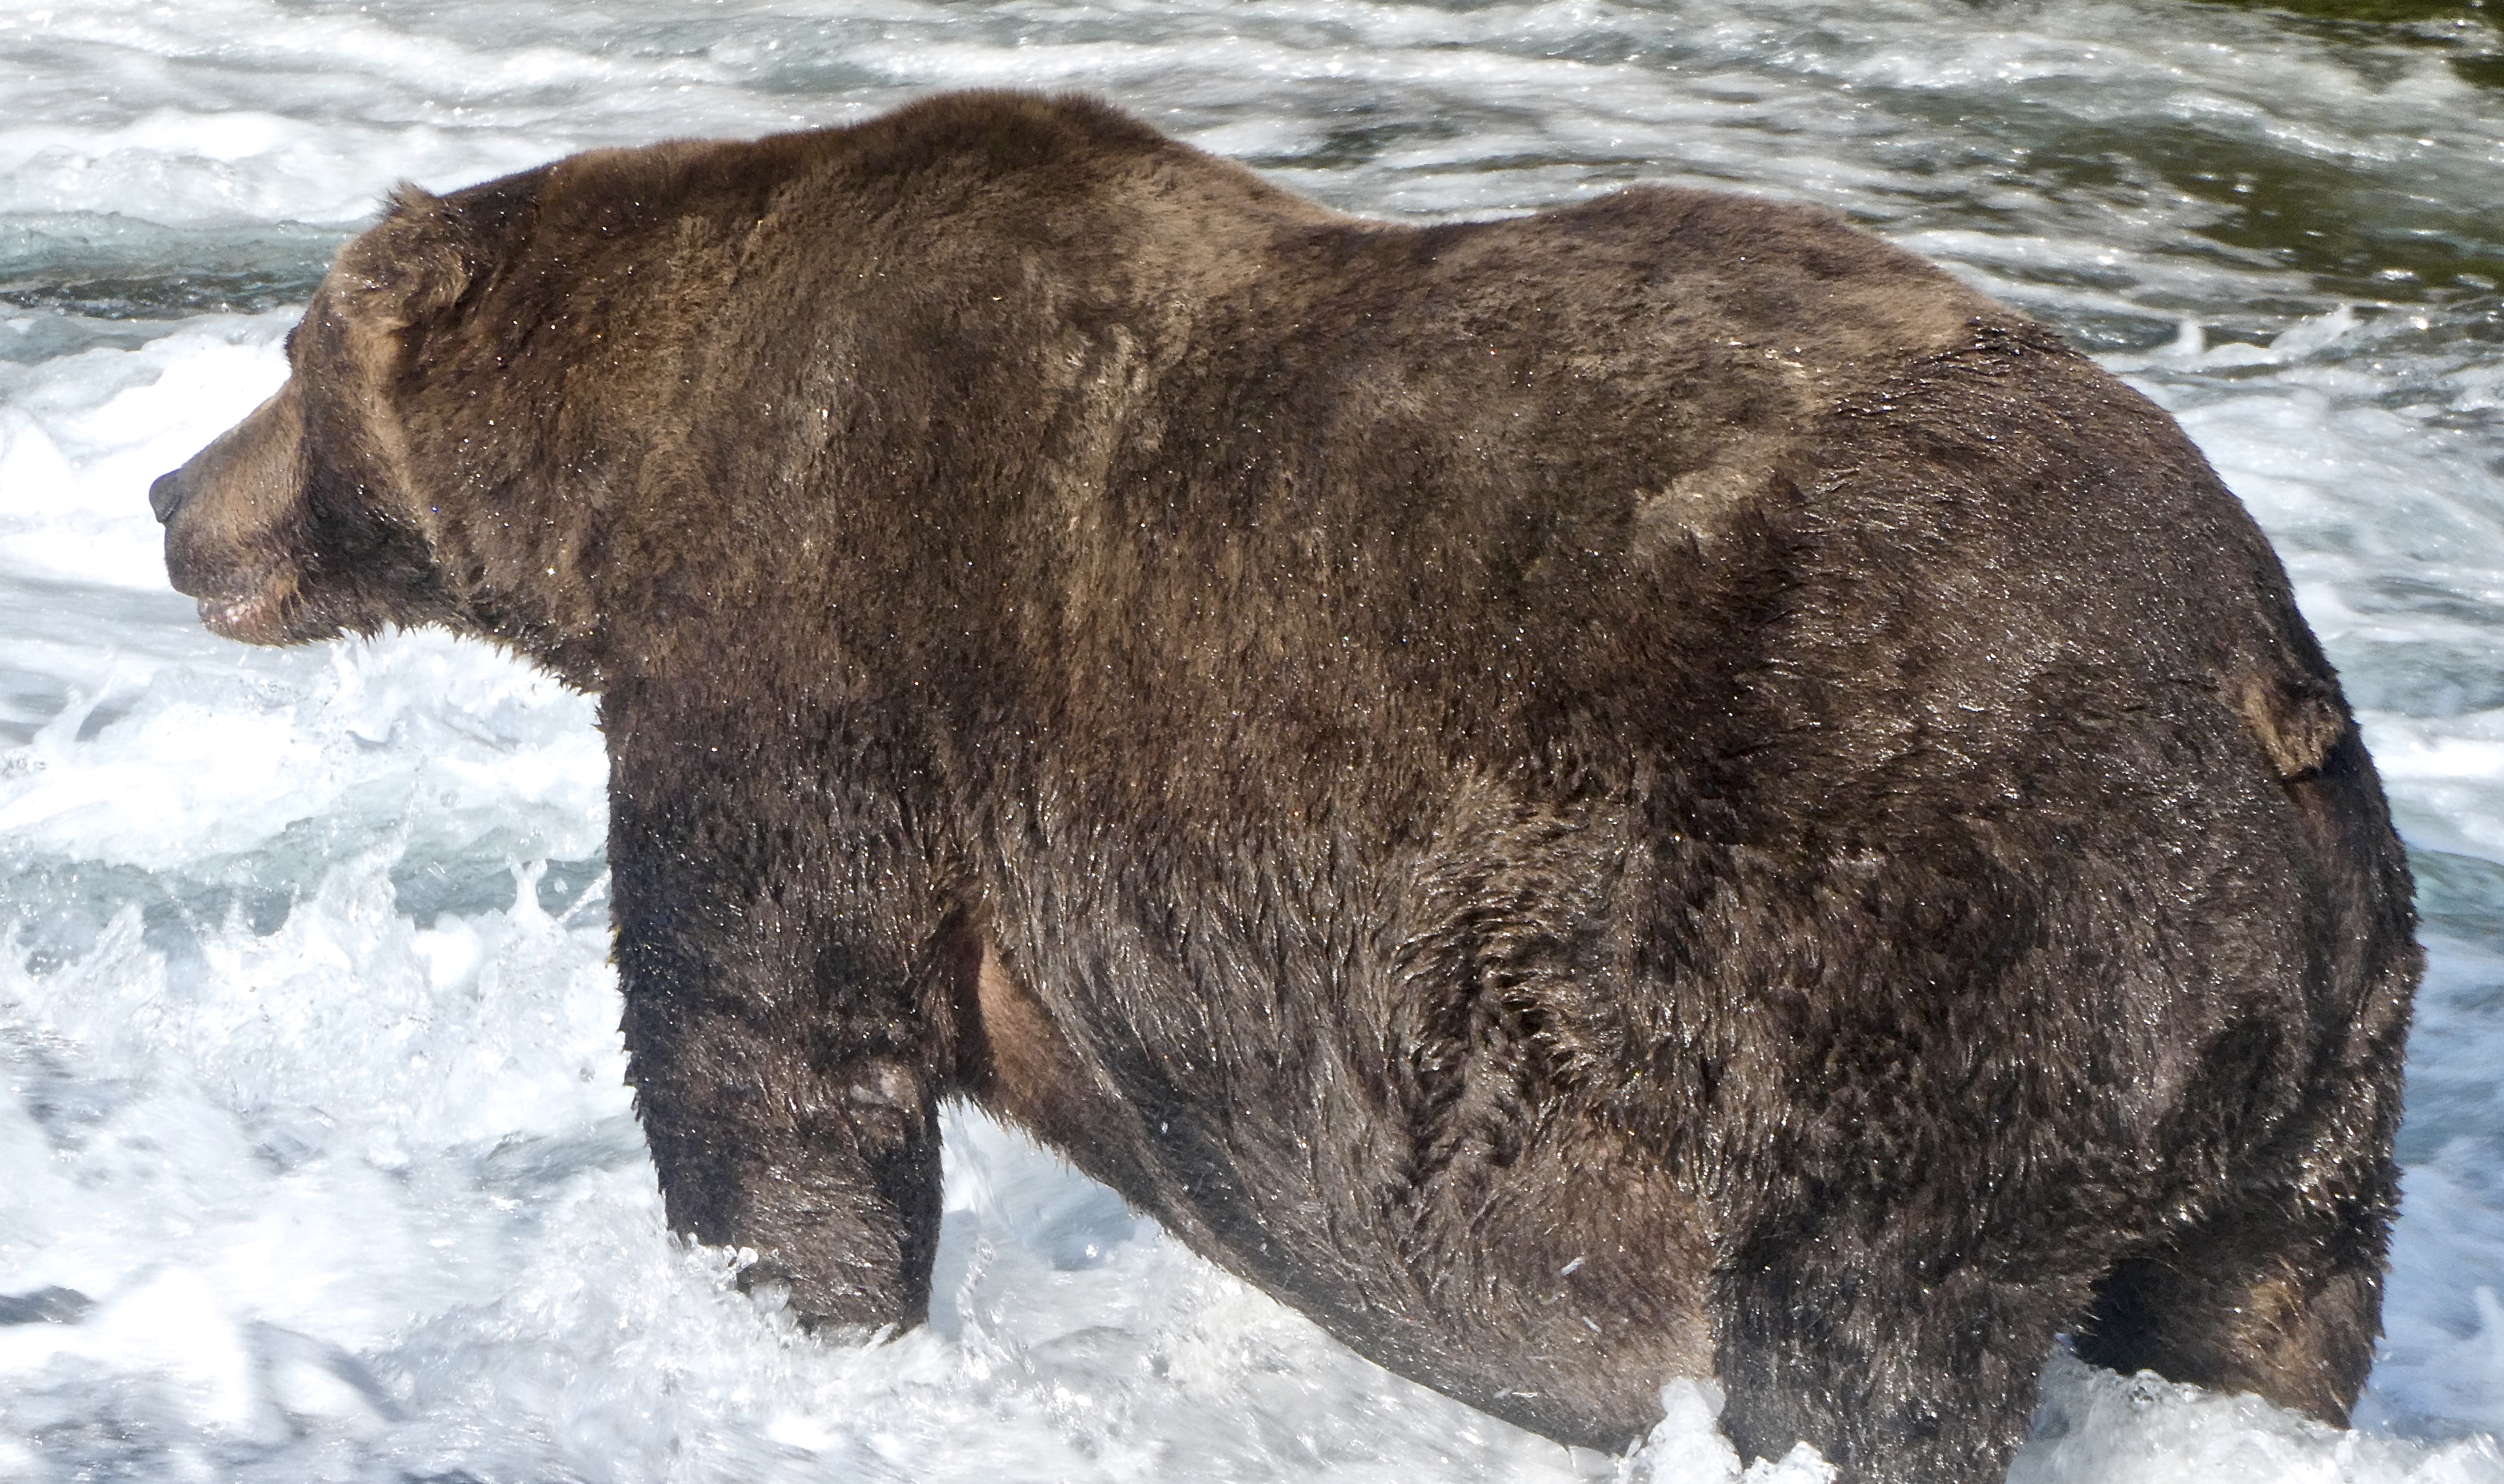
x=315, y=1161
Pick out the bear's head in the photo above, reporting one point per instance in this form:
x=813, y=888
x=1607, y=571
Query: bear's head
x=307, y=520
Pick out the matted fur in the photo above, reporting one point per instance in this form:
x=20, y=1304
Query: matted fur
x=1650, y=790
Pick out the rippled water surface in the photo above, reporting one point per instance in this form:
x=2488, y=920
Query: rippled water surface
x=315, y=1161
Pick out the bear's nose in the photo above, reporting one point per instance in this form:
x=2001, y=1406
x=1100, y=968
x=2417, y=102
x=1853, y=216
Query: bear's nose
x=165, y=496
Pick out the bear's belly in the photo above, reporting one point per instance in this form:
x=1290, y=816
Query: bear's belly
x=1559, y=1289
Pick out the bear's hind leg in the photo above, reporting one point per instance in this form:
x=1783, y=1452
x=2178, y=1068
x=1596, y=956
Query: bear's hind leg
x=2276, y=1289
x=2251, y=1301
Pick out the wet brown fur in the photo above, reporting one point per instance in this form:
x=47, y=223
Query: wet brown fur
x=1649, y=790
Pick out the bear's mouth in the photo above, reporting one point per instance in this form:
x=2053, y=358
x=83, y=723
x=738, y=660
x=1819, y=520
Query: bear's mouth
x=257, y=617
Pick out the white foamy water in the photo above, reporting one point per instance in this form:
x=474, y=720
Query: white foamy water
x=315, y=1161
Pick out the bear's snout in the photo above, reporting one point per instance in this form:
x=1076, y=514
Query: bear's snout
x=167, y=496
x=228, y=516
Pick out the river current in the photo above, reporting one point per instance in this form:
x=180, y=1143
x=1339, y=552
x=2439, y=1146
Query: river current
x=315, y=1158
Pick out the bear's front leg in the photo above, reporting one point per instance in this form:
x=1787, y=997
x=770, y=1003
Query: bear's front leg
x=774, y=927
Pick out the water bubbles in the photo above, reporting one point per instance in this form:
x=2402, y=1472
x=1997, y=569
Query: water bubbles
x=316, y=1100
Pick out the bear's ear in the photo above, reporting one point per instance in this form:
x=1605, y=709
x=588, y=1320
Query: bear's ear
x=413, y=265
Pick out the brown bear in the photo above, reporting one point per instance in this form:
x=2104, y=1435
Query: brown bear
x=1652, y=790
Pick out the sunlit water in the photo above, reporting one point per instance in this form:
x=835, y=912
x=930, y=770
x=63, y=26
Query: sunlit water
x=315, y=1161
